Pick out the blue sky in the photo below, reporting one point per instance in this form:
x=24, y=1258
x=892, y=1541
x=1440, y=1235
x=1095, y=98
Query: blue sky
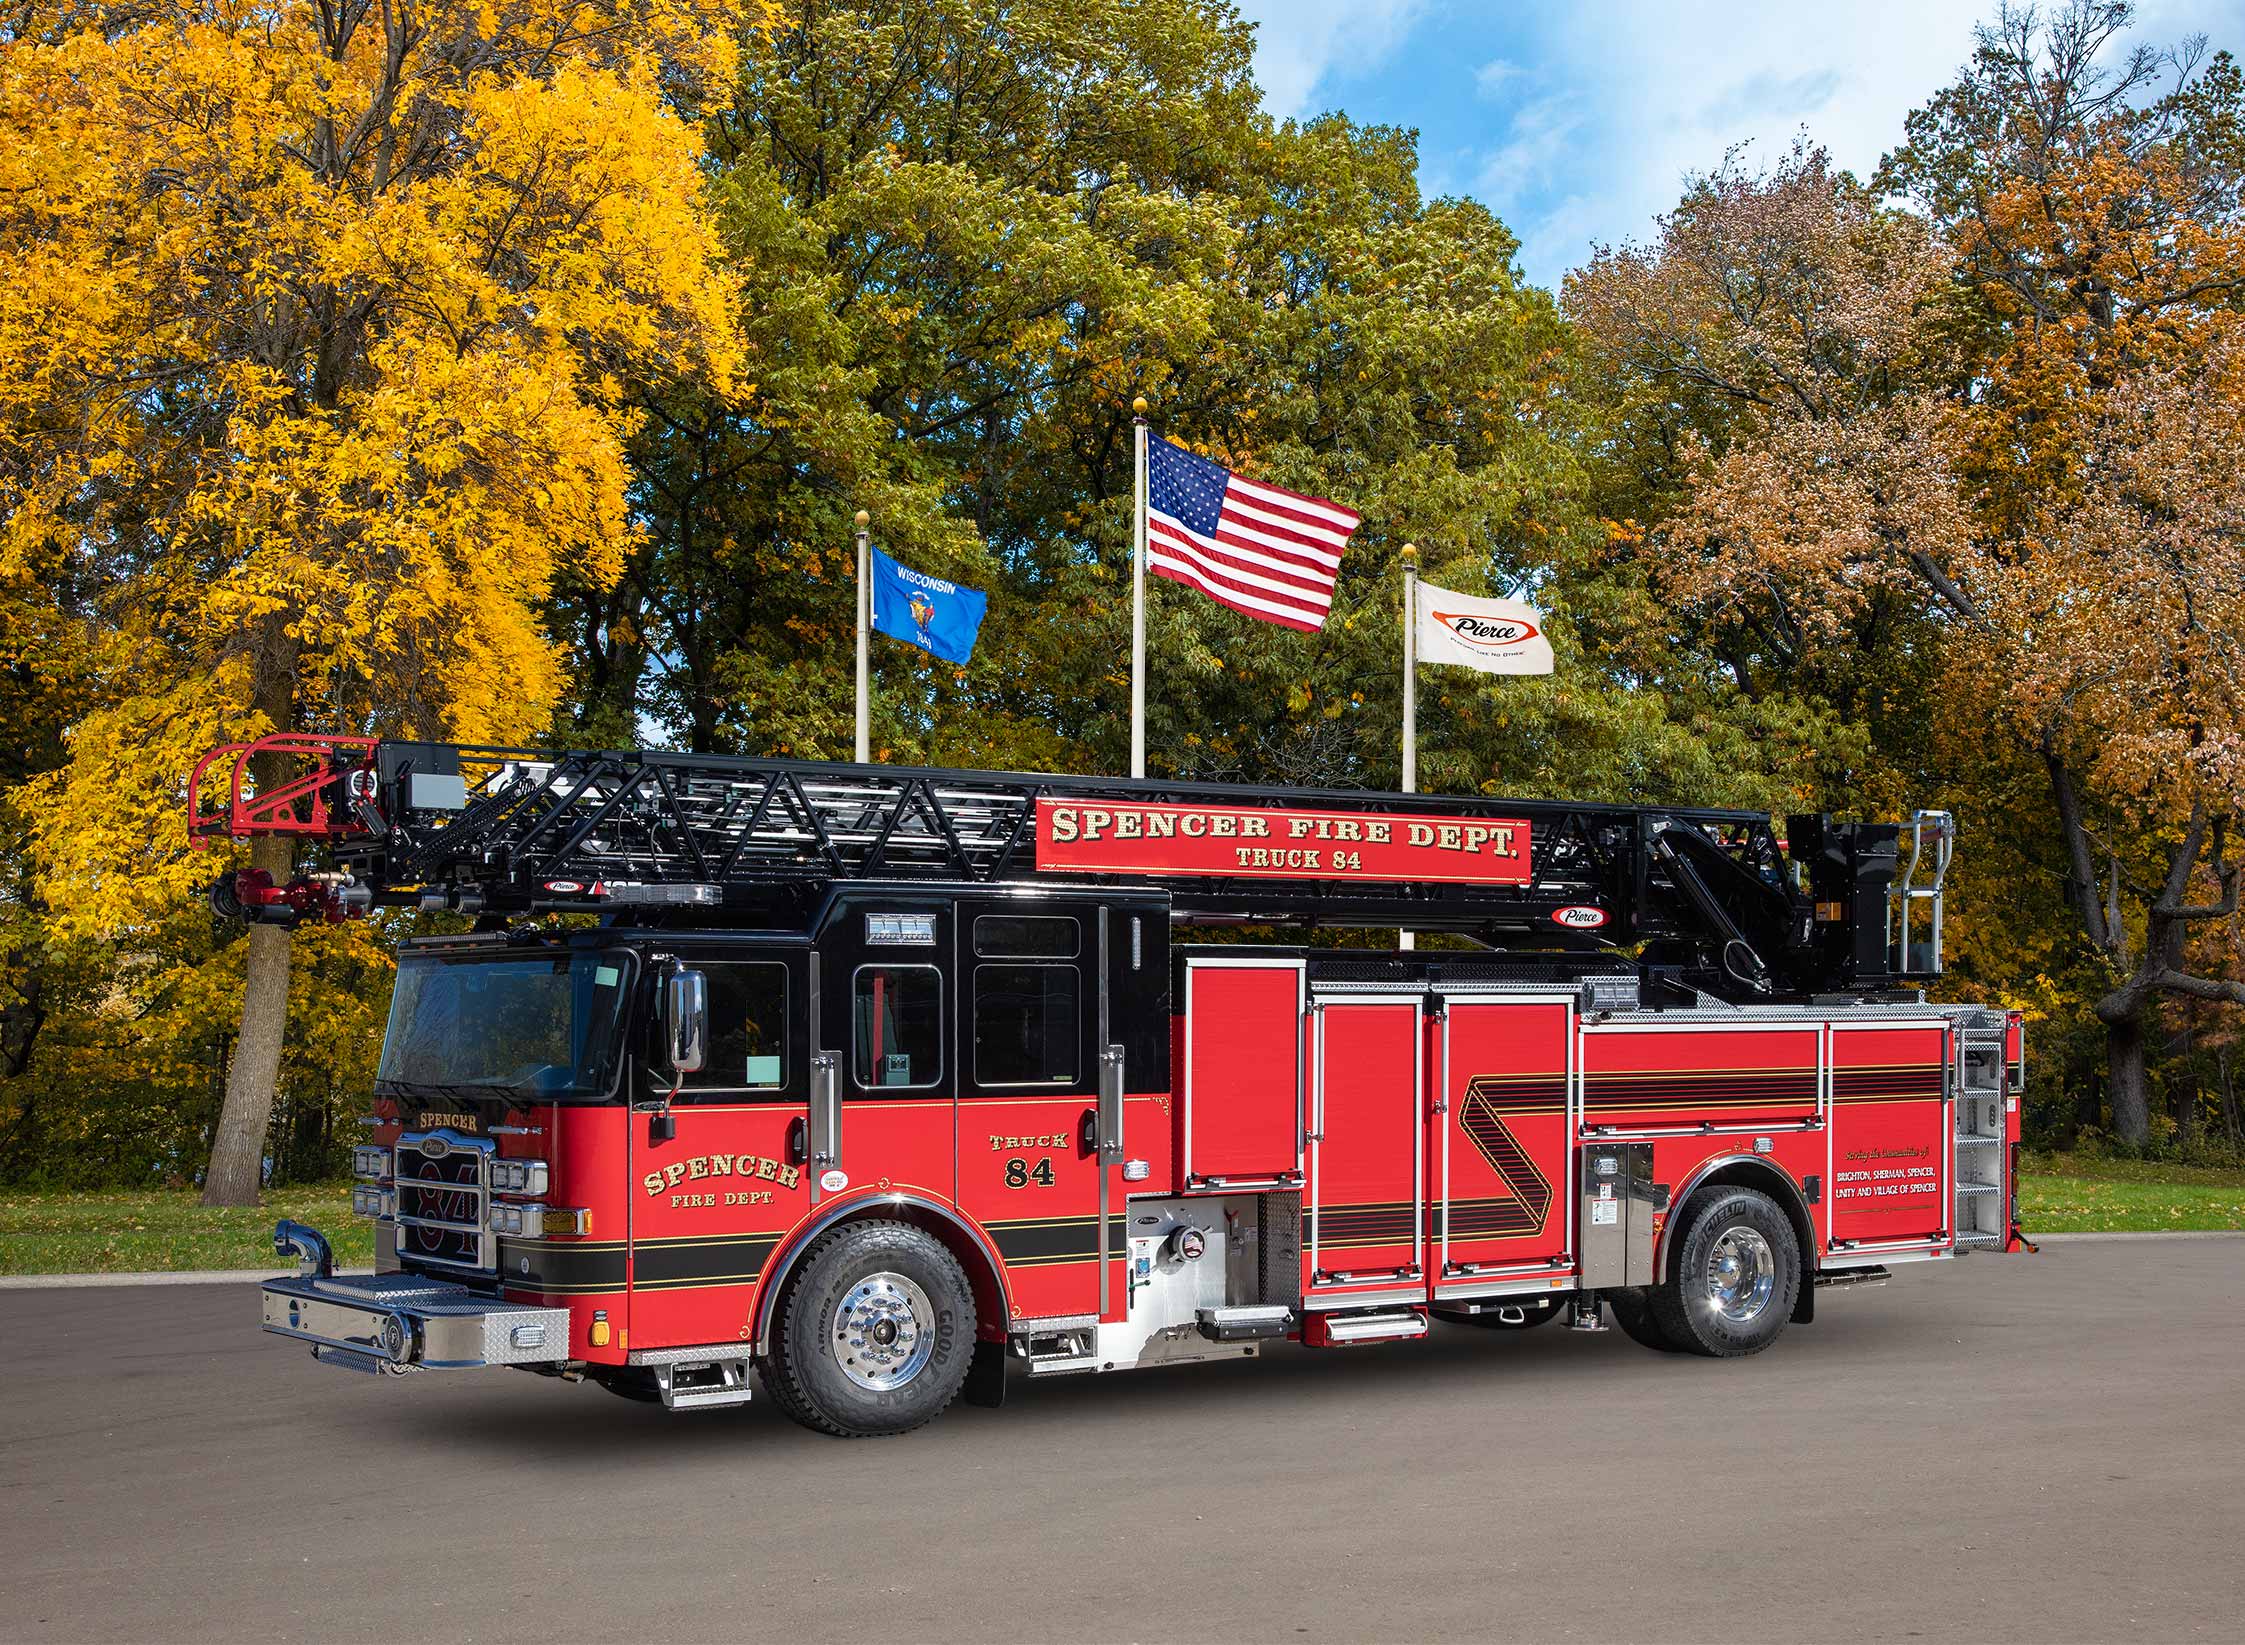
x=1575, y=122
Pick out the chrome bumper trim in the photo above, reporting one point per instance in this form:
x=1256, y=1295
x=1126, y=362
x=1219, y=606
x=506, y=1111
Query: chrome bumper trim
x=402, y=1321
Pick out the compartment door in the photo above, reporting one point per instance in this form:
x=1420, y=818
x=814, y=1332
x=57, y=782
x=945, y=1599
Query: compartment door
x=1367, y=1202
x=1501, y=1140
x=1890, y=1136
x=1243, y=1072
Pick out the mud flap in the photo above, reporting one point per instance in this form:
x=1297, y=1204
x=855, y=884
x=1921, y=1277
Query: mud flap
x=986, y=1376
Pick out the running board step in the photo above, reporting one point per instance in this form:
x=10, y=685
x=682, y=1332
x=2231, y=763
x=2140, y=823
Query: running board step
x=1852, y=1276
x=1246, y=1324
x=1049, y=1351
x=1347, y=1330
x=710, y=1385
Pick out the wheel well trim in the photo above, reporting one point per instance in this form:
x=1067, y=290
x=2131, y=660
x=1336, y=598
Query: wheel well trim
x=1789, y=1200
x=860, y=1206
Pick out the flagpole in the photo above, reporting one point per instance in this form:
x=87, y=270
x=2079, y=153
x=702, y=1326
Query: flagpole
x=864, y=625
x=1138, y=593
x=1406, y=939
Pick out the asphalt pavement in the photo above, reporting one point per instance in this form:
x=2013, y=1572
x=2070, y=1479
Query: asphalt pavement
x=2030, y=1448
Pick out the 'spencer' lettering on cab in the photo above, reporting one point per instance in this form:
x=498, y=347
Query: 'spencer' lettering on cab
x=1127, y=837
x=704, y=1166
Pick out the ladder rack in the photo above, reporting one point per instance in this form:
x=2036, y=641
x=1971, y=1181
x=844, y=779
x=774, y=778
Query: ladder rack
x=503, y=831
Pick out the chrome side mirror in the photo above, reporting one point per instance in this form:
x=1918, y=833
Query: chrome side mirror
x=686, y=1021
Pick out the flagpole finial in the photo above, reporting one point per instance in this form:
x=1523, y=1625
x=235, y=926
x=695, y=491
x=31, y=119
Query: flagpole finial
x=1410, y=552
x=1138, y=406
x=863, y=519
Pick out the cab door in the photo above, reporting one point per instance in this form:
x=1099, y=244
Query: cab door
x=1030, y=1006
x=711, y=1200
x=886, y=1069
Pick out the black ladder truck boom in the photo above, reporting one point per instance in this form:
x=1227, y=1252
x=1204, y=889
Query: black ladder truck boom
x=1707, y=899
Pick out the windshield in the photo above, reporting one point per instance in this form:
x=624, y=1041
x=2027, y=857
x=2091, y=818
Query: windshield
x=541, y=1027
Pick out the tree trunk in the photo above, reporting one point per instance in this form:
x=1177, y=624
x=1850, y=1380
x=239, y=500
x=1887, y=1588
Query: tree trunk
x=2230, y=1121
x=238, y=1148
x=2124, y=1066
x=2088, y=1107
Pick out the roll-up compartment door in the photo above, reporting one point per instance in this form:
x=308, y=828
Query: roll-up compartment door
x=1243, y=1072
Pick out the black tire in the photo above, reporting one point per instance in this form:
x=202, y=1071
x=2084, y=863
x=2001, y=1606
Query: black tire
x=1635, y=1317
x=896, y=1278
x=1534, y=1311
x=1714, y=1301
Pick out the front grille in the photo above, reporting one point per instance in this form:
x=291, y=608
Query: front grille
x=444, y=1199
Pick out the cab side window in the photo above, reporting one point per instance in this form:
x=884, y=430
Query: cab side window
x=1028, y=1027
x=897, y=1026
x=1028, y=1016
x=747, y=1028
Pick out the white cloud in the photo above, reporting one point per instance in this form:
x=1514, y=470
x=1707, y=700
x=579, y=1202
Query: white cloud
x=1537, y=150
x=1493, y=76
x=1301, y=42
x=1677, y=82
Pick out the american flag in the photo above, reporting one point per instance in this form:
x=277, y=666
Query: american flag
x=1272, y=554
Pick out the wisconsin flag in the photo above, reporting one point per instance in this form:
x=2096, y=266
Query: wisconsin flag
x=937, y=616
x=1495, y=636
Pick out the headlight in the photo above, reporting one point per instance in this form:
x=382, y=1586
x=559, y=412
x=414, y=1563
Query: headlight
x=370, y=1202
x=519, y=1176
x=370, y=1160
x=506, y=1219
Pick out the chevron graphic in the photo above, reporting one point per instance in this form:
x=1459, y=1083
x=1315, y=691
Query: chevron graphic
x=1530, y=1205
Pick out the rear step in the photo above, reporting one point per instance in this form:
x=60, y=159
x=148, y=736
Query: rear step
x=1379, y=1325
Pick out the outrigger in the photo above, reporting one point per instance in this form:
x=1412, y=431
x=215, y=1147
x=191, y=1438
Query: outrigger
x=884, y=1081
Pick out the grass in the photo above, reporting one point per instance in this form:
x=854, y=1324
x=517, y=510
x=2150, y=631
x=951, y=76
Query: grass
x=103, y=1233
x=2079, y=1193
x=110, y=1233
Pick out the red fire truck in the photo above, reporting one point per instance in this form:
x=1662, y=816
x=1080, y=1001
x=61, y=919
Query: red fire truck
x=888, y=1081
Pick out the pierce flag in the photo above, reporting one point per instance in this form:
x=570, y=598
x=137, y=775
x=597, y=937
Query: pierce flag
x=1474, y=631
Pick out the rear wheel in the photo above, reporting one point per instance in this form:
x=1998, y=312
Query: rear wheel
x=875, y=1334
x=1736, y=1274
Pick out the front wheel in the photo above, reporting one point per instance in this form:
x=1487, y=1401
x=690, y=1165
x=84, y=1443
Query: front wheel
x=1737, y=1273
x=876, y=1332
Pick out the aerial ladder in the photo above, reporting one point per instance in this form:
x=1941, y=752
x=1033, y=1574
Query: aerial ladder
x=1710, y=900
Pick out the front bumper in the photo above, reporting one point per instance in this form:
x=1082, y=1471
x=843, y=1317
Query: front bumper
x=400, y=1322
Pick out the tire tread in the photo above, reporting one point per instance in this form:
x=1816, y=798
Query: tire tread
x=782, y=1379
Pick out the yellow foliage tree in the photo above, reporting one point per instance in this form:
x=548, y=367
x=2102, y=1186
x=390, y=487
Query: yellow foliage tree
x=316, y=353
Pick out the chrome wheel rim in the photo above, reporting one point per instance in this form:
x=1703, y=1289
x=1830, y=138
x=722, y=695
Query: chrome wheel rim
x=1741, y=1274
x=884, y=1332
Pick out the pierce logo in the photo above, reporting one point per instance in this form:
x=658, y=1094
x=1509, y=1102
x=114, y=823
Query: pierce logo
x=1579, y=917
x=1487, y=633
